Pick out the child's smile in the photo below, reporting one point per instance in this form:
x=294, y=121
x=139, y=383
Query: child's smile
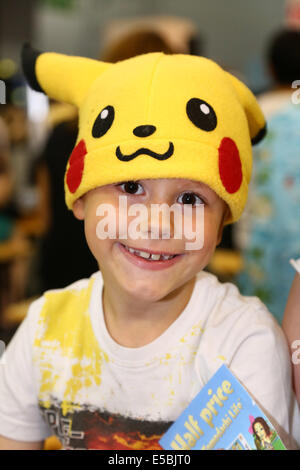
x=147, y=259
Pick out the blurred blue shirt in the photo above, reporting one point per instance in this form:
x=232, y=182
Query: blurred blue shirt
x=274, y=213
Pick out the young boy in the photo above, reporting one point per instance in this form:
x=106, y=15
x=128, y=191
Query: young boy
x=111, y=361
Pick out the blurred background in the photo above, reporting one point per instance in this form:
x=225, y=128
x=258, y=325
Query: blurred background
x=37, y=136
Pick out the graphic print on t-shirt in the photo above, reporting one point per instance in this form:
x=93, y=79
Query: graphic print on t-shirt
x=90, y=428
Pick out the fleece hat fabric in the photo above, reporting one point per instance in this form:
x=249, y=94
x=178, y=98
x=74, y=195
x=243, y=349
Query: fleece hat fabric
x=153, y=116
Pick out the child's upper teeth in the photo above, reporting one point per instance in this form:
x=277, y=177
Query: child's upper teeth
x=153, y=256
x=143, y=254
x=166, y=256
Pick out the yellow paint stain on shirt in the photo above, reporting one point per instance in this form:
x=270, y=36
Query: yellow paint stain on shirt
x=195, y=331
x=48, y=378
x=164, y=360
x=65, y=335
x=222, y=358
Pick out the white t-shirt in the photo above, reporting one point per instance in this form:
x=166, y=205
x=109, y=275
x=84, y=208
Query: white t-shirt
x=63, y=374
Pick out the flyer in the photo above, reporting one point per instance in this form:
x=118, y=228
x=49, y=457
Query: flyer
x=223, y=416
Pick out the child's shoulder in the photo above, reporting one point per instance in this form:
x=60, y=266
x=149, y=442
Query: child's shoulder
x=225, y=302
x=236, y=327
x=226, y=292
x=72, y=298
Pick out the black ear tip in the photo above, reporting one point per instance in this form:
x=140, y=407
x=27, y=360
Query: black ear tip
x=261, y=134
x=29, y=57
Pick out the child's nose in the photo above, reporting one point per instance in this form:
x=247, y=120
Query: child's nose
x=144, y=131
x=154, y=225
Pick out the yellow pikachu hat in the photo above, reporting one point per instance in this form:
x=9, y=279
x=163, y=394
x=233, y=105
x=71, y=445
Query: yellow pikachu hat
x=153, y=116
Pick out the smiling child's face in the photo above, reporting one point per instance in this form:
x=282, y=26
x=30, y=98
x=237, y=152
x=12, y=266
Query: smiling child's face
x=147, y=279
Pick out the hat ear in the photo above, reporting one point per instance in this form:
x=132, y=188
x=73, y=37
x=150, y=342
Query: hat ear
x=256, y=120
x=61, y=77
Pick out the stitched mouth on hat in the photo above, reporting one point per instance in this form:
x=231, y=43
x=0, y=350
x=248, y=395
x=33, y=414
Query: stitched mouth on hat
x=145, y=151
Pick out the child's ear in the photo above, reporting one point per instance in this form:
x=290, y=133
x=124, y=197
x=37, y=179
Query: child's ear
x=78, y=208
x=222, y=224
x=220, y=233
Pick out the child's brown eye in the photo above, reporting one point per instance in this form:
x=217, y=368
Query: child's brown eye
x=201, y=114
x=130, y=187
x=190, y=198
x=103, y=122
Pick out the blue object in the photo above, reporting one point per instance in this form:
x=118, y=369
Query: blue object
x=274, y=236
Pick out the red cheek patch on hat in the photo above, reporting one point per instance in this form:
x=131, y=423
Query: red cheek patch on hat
x=230, y=166
x=76, y=166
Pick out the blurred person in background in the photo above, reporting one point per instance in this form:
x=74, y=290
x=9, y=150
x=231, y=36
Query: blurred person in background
x=13, y=265
x=21, y=202
x=14, y=113
x=6, y=187
x=6, y=183
x=268, y=233
x=64, y=256
x=125, y=38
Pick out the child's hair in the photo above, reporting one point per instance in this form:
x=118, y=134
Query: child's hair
x=284, y=56
x=133, y=44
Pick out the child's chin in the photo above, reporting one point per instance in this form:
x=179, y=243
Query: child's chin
x=145, y=291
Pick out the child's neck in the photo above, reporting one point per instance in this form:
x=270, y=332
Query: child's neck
x=134, y=324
